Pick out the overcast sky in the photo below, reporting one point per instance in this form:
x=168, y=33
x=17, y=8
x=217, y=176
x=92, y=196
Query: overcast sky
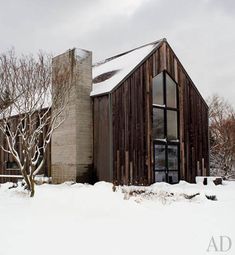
x=201, y=32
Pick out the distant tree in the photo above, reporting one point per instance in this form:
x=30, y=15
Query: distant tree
x=37, y=110
x=6, y=84
x=222, y=136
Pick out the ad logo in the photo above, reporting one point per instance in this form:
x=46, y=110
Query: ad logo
x=220, y=244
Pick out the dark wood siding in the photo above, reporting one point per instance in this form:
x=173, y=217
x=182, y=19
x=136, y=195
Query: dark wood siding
x=193, y=122
x=8, y=158
x=102, y=156
x=130, y=129
x=132, y=122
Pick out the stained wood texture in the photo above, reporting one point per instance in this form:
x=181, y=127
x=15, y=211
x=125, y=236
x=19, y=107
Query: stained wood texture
x=6, y=157
x=102, y=157
x=132, y=122
x=194, y=138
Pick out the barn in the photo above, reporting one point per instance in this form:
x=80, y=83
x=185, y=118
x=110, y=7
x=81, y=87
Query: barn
x=135, y=118
x=150, y=121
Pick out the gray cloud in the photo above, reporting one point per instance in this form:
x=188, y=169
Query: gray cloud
x=201, y=32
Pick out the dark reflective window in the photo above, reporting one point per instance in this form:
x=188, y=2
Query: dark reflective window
x=11, y=165
x=172, y=151
x=158, y=97
x=160, y=177
x=173, y=176
x=165, y=126
x=158, y=123
x=170, y=92
x=172, y=130
x=160, y=157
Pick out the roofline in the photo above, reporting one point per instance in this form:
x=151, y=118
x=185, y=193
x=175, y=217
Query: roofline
x=126, y=52
x=18, y=114
x=70, y=50
x=160, y=42
x=67, y=51
x=187, y=75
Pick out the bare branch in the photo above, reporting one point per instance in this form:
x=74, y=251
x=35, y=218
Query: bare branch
x=30, y=108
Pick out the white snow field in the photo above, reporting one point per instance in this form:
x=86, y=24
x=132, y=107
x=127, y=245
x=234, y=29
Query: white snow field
x=92, y=219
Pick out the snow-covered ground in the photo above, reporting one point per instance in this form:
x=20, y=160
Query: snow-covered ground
x=86, y=219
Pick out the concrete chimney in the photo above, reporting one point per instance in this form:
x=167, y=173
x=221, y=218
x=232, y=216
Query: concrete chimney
x=72, y=142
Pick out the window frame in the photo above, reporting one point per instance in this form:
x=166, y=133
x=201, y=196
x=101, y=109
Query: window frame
x=167, y=141
x=11, y=165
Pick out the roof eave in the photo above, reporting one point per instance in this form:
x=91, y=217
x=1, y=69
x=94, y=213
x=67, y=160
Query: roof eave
x=160, y=42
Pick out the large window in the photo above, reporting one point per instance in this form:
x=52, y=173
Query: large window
x=165, y=128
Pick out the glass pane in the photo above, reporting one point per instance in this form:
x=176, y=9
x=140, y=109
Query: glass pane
x=172, y=157
x=170, y=92
x=173, y=177
x=172, y=125
x=158, y=123
x=160, y=156
x=158, y=89
x=160, y=177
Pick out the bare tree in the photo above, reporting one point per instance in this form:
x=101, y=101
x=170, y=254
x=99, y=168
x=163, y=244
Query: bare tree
x=38, y=109
x=222, y=136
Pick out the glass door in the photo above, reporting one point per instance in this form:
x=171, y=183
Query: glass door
x=166, y=162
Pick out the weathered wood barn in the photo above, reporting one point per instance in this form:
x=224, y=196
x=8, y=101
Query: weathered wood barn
x=135, y=118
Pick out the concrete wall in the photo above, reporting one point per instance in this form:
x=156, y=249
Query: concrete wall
x=72, y=142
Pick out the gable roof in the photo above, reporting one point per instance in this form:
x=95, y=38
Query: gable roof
x=108, y=74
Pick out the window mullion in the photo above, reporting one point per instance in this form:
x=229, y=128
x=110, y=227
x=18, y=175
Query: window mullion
x=165, y=125
x=164, y=99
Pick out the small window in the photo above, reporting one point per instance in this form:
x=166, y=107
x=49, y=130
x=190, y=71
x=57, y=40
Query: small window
x=173, y=177
x=171, y=92
x=172, y=130
x=172, y=157
x=160, y=176
x=11, y=165
x=158, y=123
x=160, y=157
x=158, y=97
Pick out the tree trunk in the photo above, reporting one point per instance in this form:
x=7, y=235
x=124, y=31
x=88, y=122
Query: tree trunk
x=26, y=179
x=32, y=186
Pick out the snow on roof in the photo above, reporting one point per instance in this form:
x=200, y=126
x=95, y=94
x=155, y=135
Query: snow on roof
x=110, y=72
